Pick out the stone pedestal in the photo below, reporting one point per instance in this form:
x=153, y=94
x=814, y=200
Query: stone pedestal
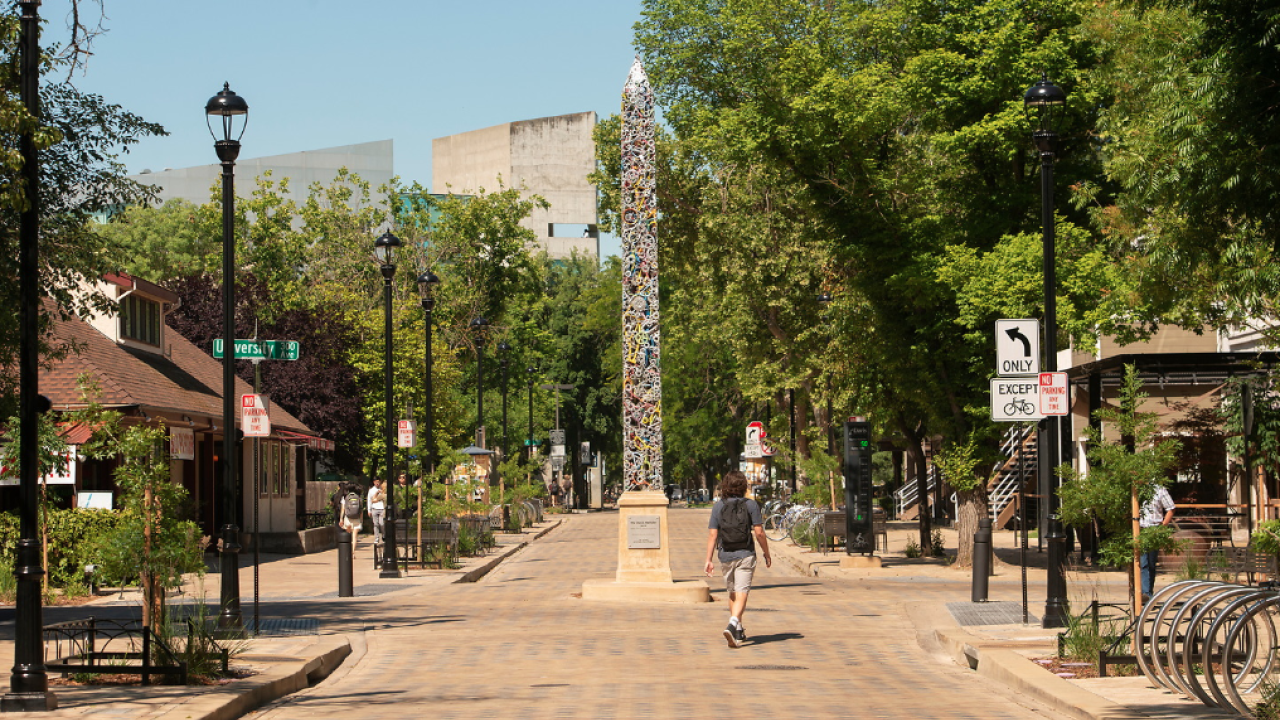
x=644, y=557
x=860, y=561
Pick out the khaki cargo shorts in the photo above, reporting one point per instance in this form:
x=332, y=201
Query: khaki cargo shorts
x=738, y=573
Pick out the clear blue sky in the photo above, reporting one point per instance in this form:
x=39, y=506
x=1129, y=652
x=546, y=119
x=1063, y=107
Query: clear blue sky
x=321, y=73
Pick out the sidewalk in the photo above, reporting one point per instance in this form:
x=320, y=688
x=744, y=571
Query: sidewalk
x=1005, y=651
x=290, y=655
x=459, y=636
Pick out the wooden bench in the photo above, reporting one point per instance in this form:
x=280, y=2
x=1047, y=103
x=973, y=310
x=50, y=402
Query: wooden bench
x=434, y=534
x=480, y=528
x=833, y=529
x=1237, y=561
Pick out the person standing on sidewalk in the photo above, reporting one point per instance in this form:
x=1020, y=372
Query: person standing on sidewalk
x=736, y=526
x=377, y=508
x=1155, y=512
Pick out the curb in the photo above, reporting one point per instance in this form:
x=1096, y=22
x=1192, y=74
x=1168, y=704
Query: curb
x=239, y=698
x=475, y=574
x=999, y=662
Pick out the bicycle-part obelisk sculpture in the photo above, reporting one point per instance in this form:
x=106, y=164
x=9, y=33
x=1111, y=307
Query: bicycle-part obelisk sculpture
x=641, y=370
x=644, y=541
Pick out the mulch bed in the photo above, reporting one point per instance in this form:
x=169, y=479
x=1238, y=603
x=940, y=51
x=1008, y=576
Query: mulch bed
x=1074, y=670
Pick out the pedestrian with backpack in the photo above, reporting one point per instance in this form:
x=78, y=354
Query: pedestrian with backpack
x=736, y=527
x=349, y=510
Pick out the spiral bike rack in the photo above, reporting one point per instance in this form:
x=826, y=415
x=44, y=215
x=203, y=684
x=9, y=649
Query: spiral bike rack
x=1211, y=641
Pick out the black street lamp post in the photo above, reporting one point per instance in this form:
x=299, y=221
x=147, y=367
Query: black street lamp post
x=427, y=283
x=1043, y=103
x=29, y=678
x=385, y=248
x=228, y=106
x=528, y=441
x=504, y=350
x=478, y=327
x=824, y=299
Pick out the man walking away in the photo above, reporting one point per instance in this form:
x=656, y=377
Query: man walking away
x=735, y=527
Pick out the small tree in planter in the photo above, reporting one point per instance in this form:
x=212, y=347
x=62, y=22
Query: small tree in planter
x=152, y=542
x=1123, y=475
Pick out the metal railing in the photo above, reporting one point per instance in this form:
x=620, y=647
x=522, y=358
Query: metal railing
x=1002, y=489
x=97, y=645
x=907, y=496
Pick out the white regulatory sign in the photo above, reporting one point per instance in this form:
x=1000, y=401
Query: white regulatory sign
x=407, y=434
x=254, y=419
x=1054, y=398
x=1017, y=347
x=1014, y=399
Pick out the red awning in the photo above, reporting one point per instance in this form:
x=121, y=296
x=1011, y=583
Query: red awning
x=315, y=443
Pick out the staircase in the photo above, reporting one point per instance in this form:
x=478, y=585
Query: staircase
x=906, y=499
x=1002, y=488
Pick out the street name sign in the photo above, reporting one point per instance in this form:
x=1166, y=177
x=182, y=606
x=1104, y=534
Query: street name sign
x=1017, y=347
x=260, y=349
x=254, y=419
x=1015, y=399
x=1054, y=398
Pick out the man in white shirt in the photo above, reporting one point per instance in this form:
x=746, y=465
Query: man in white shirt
x=377, y=508
x=1156, y=511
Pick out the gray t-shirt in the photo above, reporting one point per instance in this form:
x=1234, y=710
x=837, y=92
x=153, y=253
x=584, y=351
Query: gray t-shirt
x=754, y=511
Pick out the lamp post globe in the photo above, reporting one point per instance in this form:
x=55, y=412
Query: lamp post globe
x=385, y=248
x=1043, y=103
x=233, y=116
x=427, y=284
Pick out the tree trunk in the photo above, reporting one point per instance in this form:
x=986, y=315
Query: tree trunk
x=971, y=507
x=920, y=469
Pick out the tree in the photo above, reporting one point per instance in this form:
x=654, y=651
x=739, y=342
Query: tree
x=878, y=137
x=1189, y=145
x=78, y=137
x=319, y=388
x=153, y=542
x=178, y=239
x=1125, y=468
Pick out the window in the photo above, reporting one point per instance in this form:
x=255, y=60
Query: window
x=140, y=320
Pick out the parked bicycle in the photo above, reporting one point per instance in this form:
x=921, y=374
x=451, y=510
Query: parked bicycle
x=795, y=521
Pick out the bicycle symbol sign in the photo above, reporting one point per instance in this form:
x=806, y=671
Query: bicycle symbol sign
x=1014, y=399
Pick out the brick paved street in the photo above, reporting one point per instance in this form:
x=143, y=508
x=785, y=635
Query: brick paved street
x=520, y=644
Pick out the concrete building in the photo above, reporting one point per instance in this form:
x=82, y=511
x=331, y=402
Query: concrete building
x=549, y=156
x=372, y=161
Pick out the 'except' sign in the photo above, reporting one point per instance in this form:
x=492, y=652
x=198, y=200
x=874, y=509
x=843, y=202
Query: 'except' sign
x=1015, y=399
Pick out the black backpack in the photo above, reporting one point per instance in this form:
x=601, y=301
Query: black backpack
x=735, y=525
